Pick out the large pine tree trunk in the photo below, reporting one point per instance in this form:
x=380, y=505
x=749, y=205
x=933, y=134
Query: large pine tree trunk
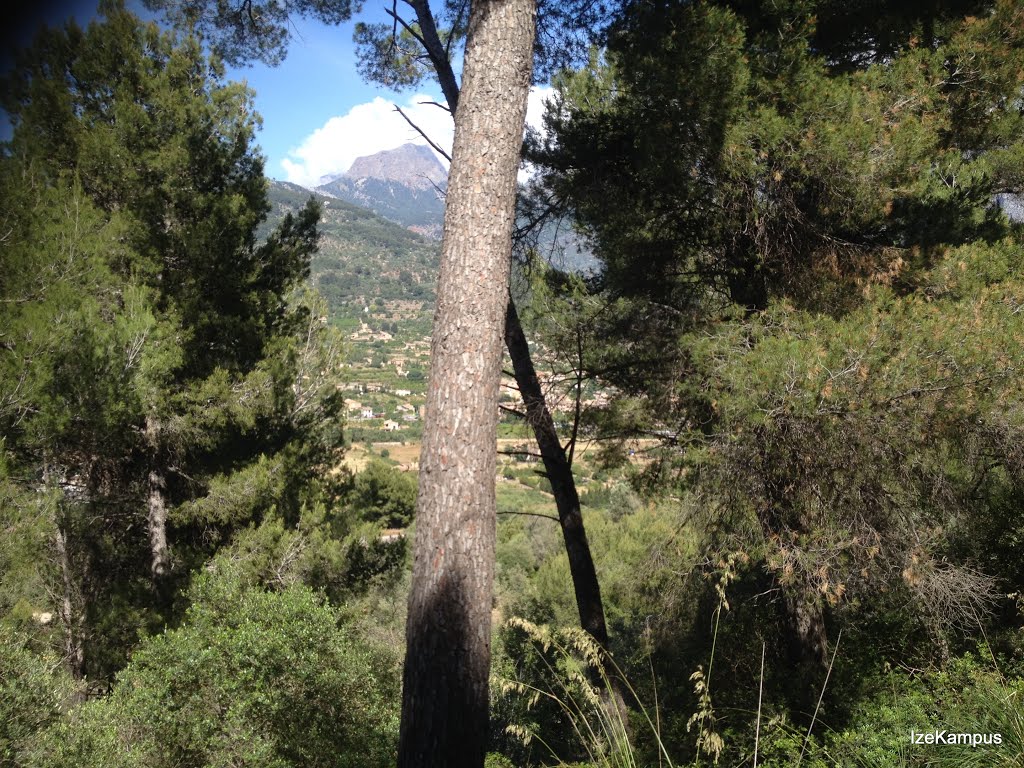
x=557, y=466
x=68, y=596
x=563, y=484
x=157, y=520
x=448, y=634
x=805, y=642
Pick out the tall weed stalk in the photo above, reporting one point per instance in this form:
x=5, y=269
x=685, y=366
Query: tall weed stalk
x=583, y=691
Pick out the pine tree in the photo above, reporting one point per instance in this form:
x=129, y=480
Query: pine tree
x=778, y=206
x=168, y=378
x=445, y=681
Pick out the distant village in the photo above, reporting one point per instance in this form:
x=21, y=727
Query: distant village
x=386, y=387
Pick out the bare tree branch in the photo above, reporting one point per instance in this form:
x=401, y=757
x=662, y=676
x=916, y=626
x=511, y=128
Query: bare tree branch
x=435, y=104
x=405, y=25
x=439, y=57
x=420, y=131
x=513, y=411
x=530, y=514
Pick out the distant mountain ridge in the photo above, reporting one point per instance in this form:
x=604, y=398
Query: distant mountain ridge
x=414, y=165
x=404, y=185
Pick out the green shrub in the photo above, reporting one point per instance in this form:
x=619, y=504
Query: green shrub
x=252, y=678
x=383, y=494
x=32, y=692
x=967, y=696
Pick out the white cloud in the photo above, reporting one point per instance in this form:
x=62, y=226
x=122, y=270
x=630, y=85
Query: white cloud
x=534, y=118
x=365, y=129
x=535, y=105
x=375, y=126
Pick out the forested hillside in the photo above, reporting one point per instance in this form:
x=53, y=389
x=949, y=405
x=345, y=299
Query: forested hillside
x=362, y=257
x=786, y=391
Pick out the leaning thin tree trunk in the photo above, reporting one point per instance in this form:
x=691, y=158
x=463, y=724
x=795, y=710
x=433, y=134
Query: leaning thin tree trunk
x=70, y=619
x=563, y=484
x=448, y=634
x=156, y=505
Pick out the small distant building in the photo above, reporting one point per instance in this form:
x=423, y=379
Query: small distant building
x=403, y=392
x=367, y=413
x=391, y=426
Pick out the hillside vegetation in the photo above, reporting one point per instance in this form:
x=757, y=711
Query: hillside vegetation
x=363, y=259
x=785, y=372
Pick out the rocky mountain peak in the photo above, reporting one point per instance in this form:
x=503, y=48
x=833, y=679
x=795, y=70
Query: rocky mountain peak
x=413, y=165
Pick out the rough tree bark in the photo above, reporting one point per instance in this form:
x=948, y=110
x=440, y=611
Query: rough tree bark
x=556, y=463
x=805, y=642
x=68, y=606
x=448, y=634
x=67, y=595
x=157, y=514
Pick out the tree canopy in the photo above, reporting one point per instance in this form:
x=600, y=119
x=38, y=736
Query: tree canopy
x=809, y=290
x=151, y=344
x=794, y=405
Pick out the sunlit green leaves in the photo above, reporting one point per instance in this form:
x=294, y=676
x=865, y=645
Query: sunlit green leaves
x=251, y=678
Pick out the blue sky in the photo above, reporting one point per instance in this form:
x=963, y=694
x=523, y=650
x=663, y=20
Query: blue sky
x=318, y=114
